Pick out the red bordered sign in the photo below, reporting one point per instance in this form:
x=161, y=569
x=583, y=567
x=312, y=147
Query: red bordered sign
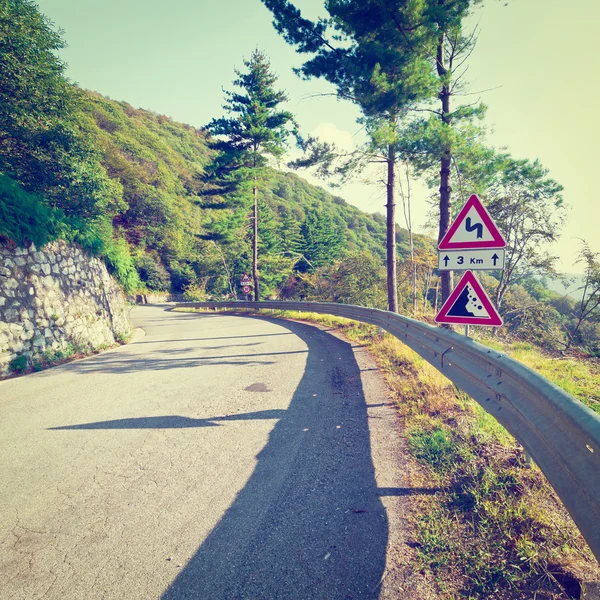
x=468, y=304
x=472, y=228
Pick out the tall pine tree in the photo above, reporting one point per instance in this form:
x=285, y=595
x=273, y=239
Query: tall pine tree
x=389, y=57
x=352, y=50
x=254, y=129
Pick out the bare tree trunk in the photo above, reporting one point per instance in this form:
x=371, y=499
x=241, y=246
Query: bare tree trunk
x=412, y=246
x=437, y=292
x=255, y=246
x=230, y=280
x=406, y=207
x=391, y=232
x=427, y=284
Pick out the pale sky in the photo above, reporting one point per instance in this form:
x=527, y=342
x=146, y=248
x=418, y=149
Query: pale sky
x=175, y=57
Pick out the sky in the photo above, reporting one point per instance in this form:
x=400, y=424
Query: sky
x=537, y=59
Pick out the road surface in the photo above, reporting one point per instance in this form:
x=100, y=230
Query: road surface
x=216, y=457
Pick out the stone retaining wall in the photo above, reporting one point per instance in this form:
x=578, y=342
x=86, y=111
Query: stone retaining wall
x=54, y=298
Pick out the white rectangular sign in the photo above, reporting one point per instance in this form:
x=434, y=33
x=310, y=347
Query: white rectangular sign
x=473, y=260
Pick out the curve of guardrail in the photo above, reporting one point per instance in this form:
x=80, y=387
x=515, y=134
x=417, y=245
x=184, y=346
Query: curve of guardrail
x=560, y=433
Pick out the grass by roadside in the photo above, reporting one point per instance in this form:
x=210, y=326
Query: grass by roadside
x=22, y=365
x=577, y=376
x=496, y=530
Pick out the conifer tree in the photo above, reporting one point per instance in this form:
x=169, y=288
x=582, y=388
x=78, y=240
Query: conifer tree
x=254, y=129
x=322, y=241
x=290, y=236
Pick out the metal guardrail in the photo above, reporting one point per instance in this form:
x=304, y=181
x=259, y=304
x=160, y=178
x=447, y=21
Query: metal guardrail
x=560, y=433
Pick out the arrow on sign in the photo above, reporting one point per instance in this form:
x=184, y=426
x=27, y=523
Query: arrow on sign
x=446, y=259
x=495, y=258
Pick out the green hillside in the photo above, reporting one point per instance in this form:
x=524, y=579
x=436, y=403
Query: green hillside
x=181, y=234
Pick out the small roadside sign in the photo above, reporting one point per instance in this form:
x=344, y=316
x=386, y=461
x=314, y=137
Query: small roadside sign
x=473, y=228
x=246, y=289
x=246, y=279
x=468, y=304
x=460, y=260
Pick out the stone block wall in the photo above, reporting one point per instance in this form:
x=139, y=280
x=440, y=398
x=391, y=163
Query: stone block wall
x=56, y=297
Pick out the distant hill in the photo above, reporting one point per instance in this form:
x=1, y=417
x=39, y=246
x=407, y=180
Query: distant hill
x=175, y=228
x=571, y=289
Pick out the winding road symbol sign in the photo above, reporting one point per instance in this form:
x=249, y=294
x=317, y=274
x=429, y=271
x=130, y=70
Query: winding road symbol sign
x=473, y=228
x=468, y=304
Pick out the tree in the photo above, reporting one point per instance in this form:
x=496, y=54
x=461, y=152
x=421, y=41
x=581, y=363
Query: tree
x=41, y=146
x=322, y=241
x=354, y=51
x=528, y=208
x=254, y=130
x=290, y=238
x=388, y=56
x=588, y=308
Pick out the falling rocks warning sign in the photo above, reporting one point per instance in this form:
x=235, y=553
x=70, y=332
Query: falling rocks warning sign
x=469, y=304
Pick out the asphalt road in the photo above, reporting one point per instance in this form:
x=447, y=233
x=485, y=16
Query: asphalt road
x=217, y=457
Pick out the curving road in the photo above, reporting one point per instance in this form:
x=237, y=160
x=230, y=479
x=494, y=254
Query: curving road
x=217, y=457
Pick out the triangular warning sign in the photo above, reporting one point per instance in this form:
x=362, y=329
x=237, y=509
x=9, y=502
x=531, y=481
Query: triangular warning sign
x=472, y=228
x=468, y=304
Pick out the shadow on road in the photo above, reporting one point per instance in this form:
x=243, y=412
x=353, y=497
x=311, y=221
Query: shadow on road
x=172, y=421
x=309, y=523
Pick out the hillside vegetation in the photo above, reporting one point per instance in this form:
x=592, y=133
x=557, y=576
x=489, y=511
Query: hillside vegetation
x=179, y=233
x=172, y=215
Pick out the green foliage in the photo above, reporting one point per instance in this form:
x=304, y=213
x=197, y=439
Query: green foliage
x=195, y=293
x=35, y=99
x=586, y=325
x=42, y=147
x=358, y=278
x=19, y=364
x=528, y=208
x=322, y=240
x=254, y=129
x=152, y=274
x=370, y=57
x=120, y=262
x=25, y=218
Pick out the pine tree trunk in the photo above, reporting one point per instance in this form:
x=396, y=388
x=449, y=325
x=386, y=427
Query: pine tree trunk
x=445, y=165
x=391, y=232
x=445, y=198
x=255, y=246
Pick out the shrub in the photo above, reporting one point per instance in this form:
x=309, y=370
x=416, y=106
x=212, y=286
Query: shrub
x=24, y=218
x=120, y=263
x=195, y=293
x=153, y=274
x=19, y=364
